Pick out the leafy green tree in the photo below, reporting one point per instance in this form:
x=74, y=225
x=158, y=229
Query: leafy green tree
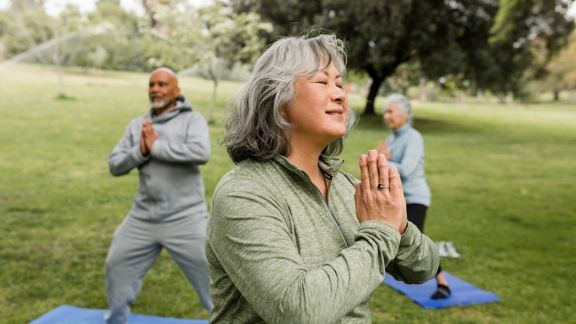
x=129, y=49
x=25, y=26
x=173, y=28
x=228, y=39
x=382, y=35
x=446, y=37
x=151, y=8
x=407, y=75
x=212, y=38
x=34, y=36
x=560, y=72
x=525, y=36
x=23, y=5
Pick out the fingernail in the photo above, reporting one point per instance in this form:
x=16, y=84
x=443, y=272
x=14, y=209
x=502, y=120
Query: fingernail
x=362, y=157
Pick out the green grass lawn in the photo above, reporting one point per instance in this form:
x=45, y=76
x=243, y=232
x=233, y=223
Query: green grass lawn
x=502, y=178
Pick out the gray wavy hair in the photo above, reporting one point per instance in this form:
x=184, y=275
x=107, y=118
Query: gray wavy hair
x=402, y=103
x=256, y=128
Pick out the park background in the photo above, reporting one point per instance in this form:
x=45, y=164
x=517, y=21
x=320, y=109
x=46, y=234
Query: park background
x=493, y=87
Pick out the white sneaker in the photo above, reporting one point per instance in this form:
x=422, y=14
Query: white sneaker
x=451, y=250
x=447, y=250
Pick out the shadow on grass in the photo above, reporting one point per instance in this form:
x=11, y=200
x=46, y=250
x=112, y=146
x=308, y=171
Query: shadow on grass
x=31, y=210
x=518, y=221
x=63, y=96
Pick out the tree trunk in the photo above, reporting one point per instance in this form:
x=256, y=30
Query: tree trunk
x=61, y=92
x=213, y=99
x=372, y=93
x=556, y=95
x=149, y=9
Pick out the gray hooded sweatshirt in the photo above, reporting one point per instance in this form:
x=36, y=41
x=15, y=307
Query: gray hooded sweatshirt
x=171, y=185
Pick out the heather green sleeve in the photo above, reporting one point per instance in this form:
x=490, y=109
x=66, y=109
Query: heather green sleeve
x=417, y=259
x=250, y=236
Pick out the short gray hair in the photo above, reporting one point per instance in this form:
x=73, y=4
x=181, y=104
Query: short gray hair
x=402, y=103
x=255, y=128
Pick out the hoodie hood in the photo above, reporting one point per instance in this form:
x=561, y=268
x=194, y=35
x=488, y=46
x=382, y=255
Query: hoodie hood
x=181, y=105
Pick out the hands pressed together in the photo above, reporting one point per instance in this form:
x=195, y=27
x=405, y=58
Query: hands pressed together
x=147, y=137
x=379, y=194
x=383, y=149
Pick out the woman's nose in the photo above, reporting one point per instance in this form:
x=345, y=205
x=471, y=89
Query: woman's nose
x=339, y=94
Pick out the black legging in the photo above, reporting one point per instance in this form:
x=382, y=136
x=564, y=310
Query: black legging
x=417, y=215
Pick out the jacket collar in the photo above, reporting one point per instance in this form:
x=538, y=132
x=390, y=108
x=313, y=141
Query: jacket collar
x=329, y=165
x=402, y=129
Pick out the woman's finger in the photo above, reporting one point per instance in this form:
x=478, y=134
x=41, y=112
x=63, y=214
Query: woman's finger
x=373, y=169
x=383, y=177
x=364, y=177
x=395, y=182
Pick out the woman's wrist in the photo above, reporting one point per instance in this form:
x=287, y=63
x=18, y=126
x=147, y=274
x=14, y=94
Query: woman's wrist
x=403, y=230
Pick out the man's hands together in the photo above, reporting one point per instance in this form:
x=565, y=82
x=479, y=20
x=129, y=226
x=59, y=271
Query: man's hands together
x=147, y=138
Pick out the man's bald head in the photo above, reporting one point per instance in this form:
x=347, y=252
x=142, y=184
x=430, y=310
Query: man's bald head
x=165, y=70
x=163, y=89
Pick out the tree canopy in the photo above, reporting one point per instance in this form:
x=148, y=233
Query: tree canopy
x=486, y=42
x=476, y=44
x=213, y=39
x=525, y=36
x=560, y=72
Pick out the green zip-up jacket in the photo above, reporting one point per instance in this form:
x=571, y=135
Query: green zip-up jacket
x=279, y=253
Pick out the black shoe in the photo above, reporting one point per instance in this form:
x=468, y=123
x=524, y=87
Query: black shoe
x=442, y=292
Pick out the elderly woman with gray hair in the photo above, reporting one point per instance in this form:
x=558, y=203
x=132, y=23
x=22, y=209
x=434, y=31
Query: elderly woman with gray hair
x=291, y=238
x=404, y=149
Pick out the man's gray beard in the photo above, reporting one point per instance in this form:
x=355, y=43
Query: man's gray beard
x=159, y=104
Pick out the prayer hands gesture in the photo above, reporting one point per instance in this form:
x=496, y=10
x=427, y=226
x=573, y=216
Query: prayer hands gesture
x=383, y=149
x=147, y=137
x=379, y=194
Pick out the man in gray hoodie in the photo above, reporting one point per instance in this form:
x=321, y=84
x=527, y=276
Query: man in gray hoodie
x=166, y=145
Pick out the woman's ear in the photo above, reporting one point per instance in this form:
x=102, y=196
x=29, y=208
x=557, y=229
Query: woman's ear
x=284, y=112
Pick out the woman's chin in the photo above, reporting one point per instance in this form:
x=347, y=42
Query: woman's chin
x=336, y=134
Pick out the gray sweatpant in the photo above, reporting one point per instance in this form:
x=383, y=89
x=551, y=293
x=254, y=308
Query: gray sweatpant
x=135, y=247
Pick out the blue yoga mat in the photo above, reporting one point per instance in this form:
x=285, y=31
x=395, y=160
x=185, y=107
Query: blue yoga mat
x=67, y=314
x=463, y=293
